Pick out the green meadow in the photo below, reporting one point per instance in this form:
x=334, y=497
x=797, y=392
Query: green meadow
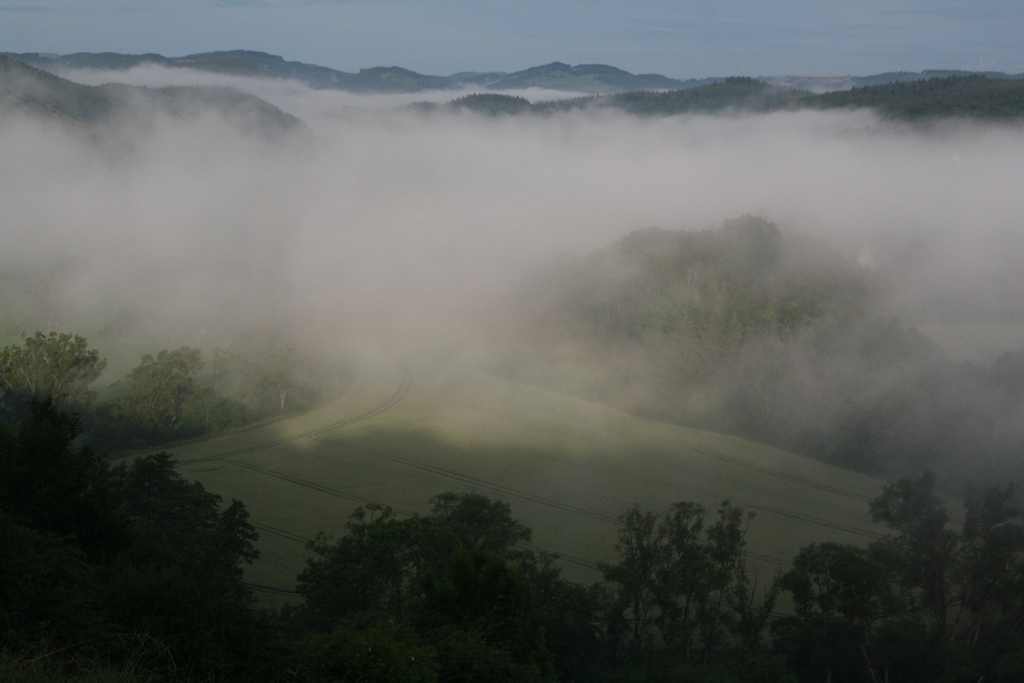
x=567, y=467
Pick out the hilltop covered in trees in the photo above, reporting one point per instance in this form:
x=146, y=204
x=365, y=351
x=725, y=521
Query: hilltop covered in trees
x=781, y=338
x=961, y=96
x=28, y=90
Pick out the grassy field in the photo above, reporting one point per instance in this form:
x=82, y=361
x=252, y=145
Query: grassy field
x=567, y=467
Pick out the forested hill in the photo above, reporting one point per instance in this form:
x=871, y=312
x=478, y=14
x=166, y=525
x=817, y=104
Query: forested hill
x=589, y=78
x=979, y=97
x=961, y=96
x=748, y=330
x=28, y=90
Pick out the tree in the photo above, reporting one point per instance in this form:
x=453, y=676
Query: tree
x=690, y=581
x=269, y=371
x=376, y=567
x=57, y=365
x=921, y=598
x=683, y=585
x=56, y=487
x=480, y=522
x=225, y=363
x=644, y=551
x=370, y=649
x=922, y=555
x=990, y=575
x=155, y=393
x=726, y=539
x=181, y=580
x=482, y=616
x=839, y=596
x=47, y=589
x=571, y=616
x=454, y=577
x=90, y=553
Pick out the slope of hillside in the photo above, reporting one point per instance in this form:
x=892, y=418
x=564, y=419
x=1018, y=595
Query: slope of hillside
x=587, y=78
x=568, y=468
x=971, y=96
x=29, y=90
x=591, y=78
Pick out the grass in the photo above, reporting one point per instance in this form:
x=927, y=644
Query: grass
x=143, y=658
x=567, y=467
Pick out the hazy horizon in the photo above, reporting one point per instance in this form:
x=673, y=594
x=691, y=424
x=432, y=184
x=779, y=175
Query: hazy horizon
x=679, y=40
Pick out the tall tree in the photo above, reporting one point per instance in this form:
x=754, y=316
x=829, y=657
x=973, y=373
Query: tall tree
x=840, y=600
x=682, y=584
x=181, y=578
x=716, y=616
x=990, y=575
x=57, y=365
x=455, y=577
x=922, y=597
x=480, y=522
x=922, y=552
x=155, y=393
x=56, y=487
x=644, y=550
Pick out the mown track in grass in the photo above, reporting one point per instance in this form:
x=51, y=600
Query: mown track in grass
x=807, y=518
x=598, y=516
x=482, y=484
x=305, y=483
x=391, y=402
x=547, y=502
x=647, y=481
x=721, y=457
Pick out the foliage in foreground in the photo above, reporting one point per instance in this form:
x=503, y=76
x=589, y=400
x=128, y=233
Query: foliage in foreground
x=133, y=574
x=926, y=602
x=452, y=587
x=94, y=557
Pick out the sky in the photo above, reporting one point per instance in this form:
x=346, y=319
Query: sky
x=676, y=38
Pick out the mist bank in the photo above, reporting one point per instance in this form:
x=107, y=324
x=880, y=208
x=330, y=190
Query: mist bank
x=392, y=207
x=390, y=230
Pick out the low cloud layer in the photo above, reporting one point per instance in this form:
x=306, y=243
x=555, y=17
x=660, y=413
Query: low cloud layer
x=398, y=225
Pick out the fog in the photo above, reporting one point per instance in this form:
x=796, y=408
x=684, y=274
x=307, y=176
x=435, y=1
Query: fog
x=391, y=228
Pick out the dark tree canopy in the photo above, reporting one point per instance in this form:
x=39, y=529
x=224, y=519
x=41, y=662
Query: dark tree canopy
x=56, y=366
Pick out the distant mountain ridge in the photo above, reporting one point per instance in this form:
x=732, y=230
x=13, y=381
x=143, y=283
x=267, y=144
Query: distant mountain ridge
x=591, y=78
x=29, y=90
x=823, y=84
x=585, y=78
x=32, y=90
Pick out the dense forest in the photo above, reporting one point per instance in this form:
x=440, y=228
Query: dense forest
x=131, y=573
x=964, y=96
